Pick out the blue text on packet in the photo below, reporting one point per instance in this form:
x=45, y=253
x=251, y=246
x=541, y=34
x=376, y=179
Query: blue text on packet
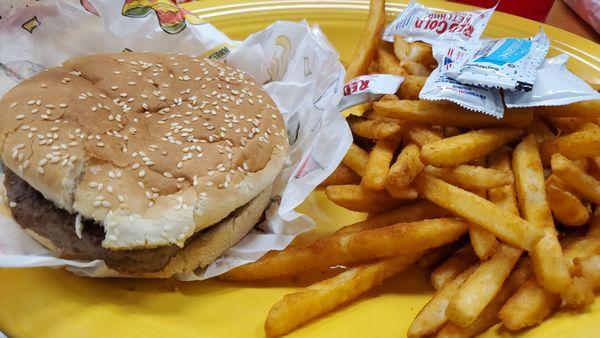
x=511, y=50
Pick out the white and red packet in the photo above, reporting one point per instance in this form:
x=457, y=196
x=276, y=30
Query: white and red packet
x=441, y=87
x=420, y=23
x=368, y=88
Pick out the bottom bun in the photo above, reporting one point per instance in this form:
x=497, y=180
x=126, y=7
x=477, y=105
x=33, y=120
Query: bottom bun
x=207, y=246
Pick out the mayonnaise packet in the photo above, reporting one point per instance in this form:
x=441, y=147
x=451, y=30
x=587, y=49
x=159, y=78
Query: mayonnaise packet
x=441, y=87
x=419, y=23
x=555, y=86
x=507, y=63
x=367, y=88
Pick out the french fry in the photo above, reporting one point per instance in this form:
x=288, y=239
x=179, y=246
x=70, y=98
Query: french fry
x=489, y=316
x=584, y=261
x=451, y=115
x=357, y=198
x=373, y=67
x=532, y=304
x=433, y=315
x=300, y=307
x=389, y=97
x=547, y=257
x=478, y=313
x=419, y=52
x=407, y=166
x=415, y=68
x=352, y=248
x=505, y=225
x=438, y=255
x=463, y=148
x=594, y=229
x=504, y=197
x=372, y=129
x=540, y=130
x=378, y=164
x=529, y=306
x=594, y=169
x=452, y=131
x=472, y=177
x=565, y=206
x=340, y=176
x=579, y=294
x=567, y=124
x=411, y=87
x=484, y=242
x=388, y=64
x=421, y=135
x=367, y=47
x=415, y=211
x=358, y=110
x=480, y=288
x=575, y=178
x=585, y=143
x=590, y=269
x=461, y=260
x=372, y=115
x=583, y=109
x=356, y=159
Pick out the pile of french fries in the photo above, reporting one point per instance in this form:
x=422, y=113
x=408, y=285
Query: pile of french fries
x=504, y=212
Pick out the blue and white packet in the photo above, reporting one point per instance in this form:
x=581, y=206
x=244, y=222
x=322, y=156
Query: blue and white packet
x=506, y=63
x=441, y=87
x=555, y=86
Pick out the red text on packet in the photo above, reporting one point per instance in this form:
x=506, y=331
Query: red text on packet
x=354, y=86
x=442, y=22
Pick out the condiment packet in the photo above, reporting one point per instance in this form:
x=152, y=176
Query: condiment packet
x=441, y=87
x=420, y=23
x=507, y=63
x=368, y=88
x=555, y=86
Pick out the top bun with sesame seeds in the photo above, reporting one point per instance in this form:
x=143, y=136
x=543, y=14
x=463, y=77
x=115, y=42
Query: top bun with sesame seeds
x=153, y=147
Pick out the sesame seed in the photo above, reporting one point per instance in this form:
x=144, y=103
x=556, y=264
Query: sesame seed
x=100, y=144
x=209, y=183
x=142, y=173
x=14, y=104
x=63, y=105
x=106, y=204
x=19, y=117
x=40, y=170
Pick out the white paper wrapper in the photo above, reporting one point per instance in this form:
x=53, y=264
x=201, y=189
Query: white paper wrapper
x=295, y=63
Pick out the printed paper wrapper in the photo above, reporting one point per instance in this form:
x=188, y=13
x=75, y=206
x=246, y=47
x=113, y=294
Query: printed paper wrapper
x=296, y=64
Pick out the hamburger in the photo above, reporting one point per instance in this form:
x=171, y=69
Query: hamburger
x=154, y=163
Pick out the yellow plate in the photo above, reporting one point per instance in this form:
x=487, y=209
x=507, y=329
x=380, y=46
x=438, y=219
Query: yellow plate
x=54, y=303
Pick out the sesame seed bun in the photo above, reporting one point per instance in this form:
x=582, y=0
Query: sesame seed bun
x=155, y=147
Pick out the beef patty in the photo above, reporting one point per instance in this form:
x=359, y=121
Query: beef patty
x=34, y=212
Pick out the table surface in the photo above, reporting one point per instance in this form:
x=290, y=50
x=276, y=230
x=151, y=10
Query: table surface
x=563, y=17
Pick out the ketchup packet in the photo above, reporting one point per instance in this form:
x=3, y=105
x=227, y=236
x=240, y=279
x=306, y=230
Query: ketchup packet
x=441, y=87
x=419, y=23
x=367, y=88
x=555, y=86
x=507, y=63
